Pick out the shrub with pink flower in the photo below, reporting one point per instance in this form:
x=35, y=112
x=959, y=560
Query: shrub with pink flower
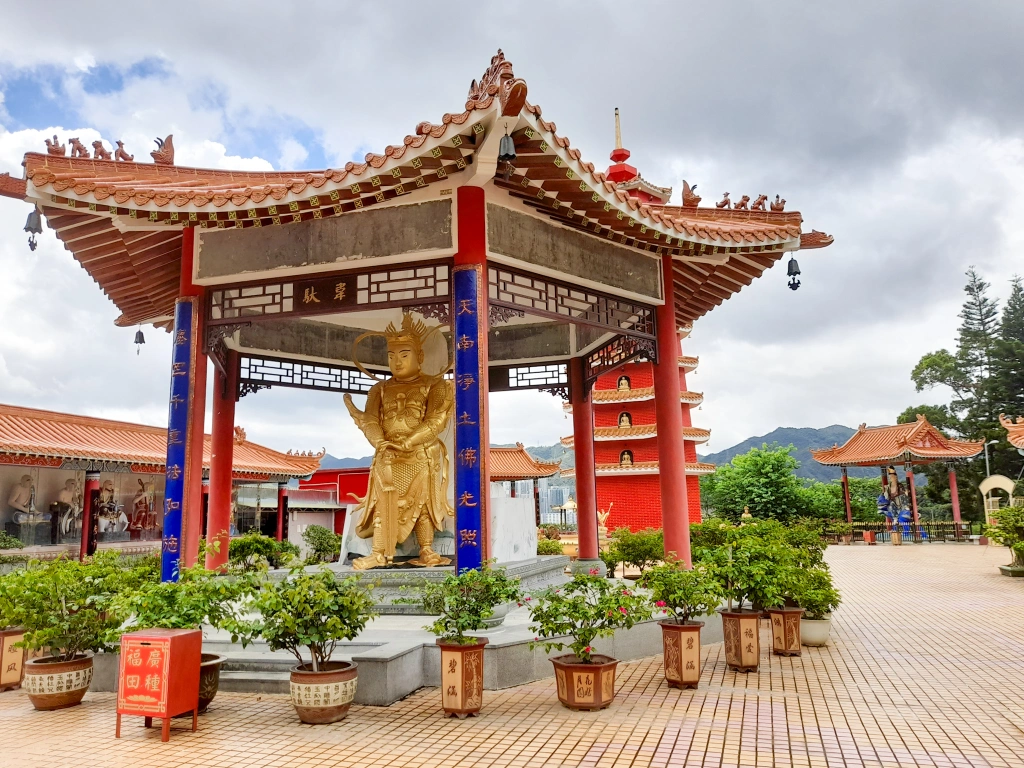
x=586, y=608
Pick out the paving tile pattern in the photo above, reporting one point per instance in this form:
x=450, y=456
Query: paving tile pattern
x=926, y=668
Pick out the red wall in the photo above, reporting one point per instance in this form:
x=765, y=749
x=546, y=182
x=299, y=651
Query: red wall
x=636, y=499
x=344, y=481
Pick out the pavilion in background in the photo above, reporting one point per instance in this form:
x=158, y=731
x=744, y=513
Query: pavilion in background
x=909, y=445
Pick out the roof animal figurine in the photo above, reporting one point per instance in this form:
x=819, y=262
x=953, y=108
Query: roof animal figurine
x=120, y=154
x=725, y=202
x=78, y=148
x=164, y=152
x=690, y=198
x=742, y=204
x=99, y=151
x=55, y=147
x=779, y=205
x=758, y=204
x=240, y=436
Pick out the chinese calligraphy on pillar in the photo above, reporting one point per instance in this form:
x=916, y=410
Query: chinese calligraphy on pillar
x=470, y=493
x=179, y=403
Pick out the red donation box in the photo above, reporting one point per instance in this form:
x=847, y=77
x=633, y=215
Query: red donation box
x=159, y=676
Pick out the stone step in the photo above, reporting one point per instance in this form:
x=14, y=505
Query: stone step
x=253, y=682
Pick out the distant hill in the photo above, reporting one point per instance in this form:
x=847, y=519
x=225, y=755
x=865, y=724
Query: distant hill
x=803, y=439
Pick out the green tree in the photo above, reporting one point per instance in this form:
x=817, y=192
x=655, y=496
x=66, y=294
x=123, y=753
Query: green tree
x=763, y=479
x=1008, y=355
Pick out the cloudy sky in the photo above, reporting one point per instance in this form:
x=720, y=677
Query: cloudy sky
x=896, y=127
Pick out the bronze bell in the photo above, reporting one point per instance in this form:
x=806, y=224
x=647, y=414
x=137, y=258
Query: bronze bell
x=34, y=226
x=506, y=150
x=140, y=339
x=792, y=271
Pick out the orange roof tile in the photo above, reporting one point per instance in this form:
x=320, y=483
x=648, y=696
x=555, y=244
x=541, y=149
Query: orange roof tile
x=640, y=432
x=28, y=432
x=1014, y=430
x=643, y=468
x=882, y=445
x=506, y=464
x=613, y=396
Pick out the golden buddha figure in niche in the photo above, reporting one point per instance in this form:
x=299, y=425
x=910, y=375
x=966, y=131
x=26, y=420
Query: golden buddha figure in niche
x=403, y=420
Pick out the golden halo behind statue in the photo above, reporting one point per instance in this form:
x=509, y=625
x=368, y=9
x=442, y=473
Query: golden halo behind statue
x=430, y=332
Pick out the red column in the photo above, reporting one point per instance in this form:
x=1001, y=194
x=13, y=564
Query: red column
x=954, y=495
x=846, y=497
x=282, y=508
x=583, y=445
x=192, y=508
x=913, y=496
x=222, y=449
x=92, y=486
x=671, y=452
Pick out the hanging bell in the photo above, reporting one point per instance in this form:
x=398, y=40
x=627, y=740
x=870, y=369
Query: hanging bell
x=792, y=271
x=34, y=226
x=140, y=339
x=506, y=150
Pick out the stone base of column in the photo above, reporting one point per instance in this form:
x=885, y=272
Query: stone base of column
x=586, y=566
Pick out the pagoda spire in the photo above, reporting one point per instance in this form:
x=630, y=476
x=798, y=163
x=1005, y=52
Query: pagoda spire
x=620, y=170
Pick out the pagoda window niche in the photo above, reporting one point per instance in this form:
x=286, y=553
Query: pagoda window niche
x=624, y=384
x=626, y=459
x=625, y=420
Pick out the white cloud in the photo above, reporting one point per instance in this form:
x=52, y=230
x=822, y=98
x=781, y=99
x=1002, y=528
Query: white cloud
x=293, y=155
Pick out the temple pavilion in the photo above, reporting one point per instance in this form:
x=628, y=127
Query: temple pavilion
x=548, y=272
x=1014, y=430
x=909, y=445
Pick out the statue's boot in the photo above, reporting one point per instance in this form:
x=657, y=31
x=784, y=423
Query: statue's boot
x=372, y=560
x=425, y=537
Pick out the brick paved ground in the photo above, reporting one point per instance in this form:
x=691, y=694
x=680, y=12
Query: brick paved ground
x=926, y=668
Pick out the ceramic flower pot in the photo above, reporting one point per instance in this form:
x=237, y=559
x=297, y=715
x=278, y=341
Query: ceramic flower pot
x=52, y=684
x=815, y=632
x=324, y=696
x=740, y=628
x=585, y=686
x=209, y=679
x=785, y=630
x=462, y=677
x=681, y=651
x=896, y=537
x=12, y=659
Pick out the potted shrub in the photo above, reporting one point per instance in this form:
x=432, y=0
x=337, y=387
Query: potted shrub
x=682, y=595
x=816, y=595
x=61, y=605
x=574, y=616
x=198, y=597
x=752, y=572
x=311, y=611
x=549, y=547
x=324, y=545
x=642, y=549
x=1007, y=530
x=463, y=603
x=844, y=531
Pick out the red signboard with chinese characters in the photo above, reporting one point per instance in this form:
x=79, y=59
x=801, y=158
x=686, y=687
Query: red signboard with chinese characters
x=159, y=674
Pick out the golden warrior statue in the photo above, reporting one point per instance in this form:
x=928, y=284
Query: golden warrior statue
x=403, y=419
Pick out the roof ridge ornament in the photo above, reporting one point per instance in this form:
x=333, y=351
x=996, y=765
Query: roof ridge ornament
x=690, y=197
x=498, y=80
x=164, y=152
x=55, y=148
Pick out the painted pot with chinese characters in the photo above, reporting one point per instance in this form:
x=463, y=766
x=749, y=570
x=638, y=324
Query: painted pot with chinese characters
x=12, y=658
x=681, y=651
x=585, y=686
x=740, y=628
x=52, y=684
x=785, y=630
x=462, y=677
x=209, y=680
x=815, y=632
x=324, y=696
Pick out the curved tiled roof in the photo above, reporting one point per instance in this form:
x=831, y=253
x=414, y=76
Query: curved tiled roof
x=506, y=464
x=1014, y=430
x=871, y=446
x=640, y=432
x=643, y=468
x=28, y=432
x=81, y=199
x=639, y=394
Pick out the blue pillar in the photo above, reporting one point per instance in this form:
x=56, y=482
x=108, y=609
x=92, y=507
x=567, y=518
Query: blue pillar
x=179, y=459
x=469, y=330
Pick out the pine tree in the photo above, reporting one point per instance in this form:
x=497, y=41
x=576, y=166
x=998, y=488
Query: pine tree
x=1008, y=355
x=979, y=328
